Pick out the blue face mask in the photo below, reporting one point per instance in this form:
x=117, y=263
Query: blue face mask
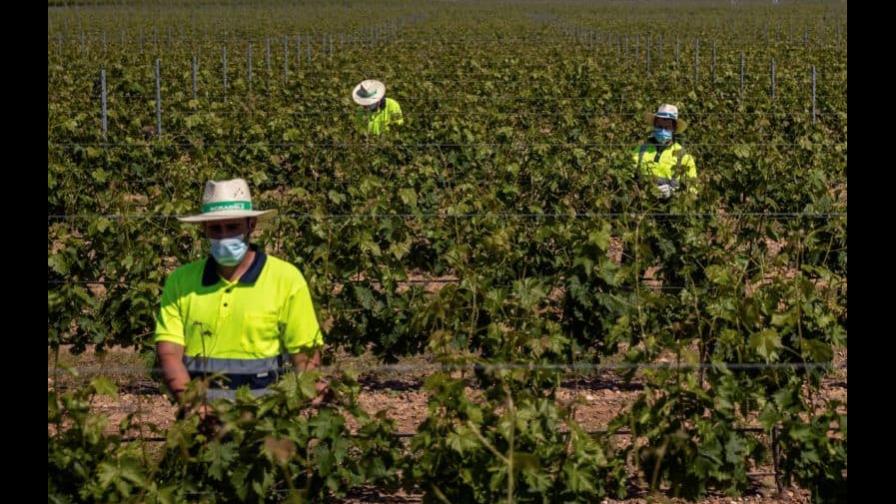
x=229, y=251
x=662, y=135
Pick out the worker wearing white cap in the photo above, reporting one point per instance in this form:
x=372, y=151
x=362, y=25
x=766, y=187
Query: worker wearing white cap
x=662, y=157
x=378, y=113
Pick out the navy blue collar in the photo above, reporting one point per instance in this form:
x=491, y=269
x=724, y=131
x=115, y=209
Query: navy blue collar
x=210, y=273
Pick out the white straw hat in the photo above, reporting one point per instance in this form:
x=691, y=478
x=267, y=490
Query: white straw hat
x=369, y=92
x=666, y=111
x=226, y=199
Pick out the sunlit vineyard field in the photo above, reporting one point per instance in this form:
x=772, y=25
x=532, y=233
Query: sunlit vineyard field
x=485, y=274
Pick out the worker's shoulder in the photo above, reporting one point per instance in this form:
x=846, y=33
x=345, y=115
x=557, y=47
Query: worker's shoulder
x=188, y=271
x=644, y=147
x=392, y=104
x=678, y=149
x=284, y=270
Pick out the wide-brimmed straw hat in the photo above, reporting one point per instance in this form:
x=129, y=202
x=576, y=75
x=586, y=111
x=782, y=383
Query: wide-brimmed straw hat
x=226, y=199
x=666, y=111
x=369, y=92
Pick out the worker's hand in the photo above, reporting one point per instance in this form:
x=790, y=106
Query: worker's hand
x=203, y=411
x=324, y=393
x=209, y=423
x=665, y=189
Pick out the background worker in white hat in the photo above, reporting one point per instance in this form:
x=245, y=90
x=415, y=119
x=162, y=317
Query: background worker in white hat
x=661, y=157
x=378, y=113
x=239, y=311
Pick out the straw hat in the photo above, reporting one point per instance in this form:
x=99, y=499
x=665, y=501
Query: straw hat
x=666, y=111
x=226, y=199
x=369, y=92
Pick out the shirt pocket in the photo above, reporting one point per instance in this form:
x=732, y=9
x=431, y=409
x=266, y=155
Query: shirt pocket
x=261, y=334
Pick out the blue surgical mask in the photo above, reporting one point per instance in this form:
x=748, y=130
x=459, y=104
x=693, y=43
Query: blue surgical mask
x=229, y=251
x=662, y=135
